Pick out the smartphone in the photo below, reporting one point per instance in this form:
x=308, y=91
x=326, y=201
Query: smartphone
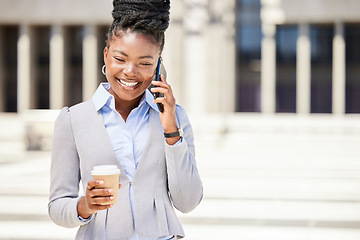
x=160, y=69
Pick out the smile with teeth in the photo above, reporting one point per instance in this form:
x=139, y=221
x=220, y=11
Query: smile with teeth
x=129, y=84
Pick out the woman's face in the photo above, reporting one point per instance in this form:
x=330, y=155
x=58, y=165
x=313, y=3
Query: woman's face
x=131, y=61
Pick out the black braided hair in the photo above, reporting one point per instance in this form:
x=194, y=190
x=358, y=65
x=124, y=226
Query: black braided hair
x=149, y=17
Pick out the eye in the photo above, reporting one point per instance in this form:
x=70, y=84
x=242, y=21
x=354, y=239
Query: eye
x=145, y=64
x=119, y=59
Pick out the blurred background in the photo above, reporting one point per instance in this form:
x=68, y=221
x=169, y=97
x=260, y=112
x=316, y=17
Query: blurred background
x=272, y=88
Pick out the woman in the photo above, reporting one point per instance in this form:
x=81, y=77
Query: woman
x=122, y=125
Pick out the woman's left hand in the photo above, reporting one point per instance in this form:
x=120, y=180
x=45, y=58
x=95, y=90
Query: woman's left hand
x=167, y=117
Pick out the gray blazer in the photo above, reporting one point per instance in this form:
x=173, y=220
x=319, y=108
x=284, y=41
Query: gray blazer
x=167, y=176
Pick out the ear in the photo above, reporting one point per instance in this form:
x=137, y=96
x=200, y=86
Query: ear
x=106, y=51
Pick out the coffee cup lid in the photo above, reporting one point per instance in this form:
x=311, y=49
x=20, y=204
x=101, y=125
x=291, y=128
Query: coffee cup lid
x=105, y=170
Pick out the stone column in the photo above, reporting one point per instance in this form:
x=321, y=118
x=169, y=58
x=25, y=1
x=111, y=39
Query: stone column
x=268, y=69
x=215, y=80
x=173, y=53
x=221, y=57
x=173, y=61
x=228, y=58
x=57, y=67
x=339, y=71
x=25, y=71
x=2, y=75
x=303, y=71
x=195, y=56
x=90, y=62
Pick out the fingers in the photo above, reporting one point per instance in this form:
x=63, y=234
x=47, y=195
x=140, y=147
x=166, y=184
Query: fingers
x=167, y=92
x=169, y=105
x=167, y=117
x=94, y=183
x=165, y=88
x=162, y=84
x=162, y=80
x=103, y=207
x=95, y=193
x=98, y=198
x=102, y=201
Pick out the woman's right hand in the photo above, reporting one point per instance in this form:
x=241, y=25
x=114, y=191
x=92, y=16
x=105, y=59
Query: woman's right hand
x=94, y=199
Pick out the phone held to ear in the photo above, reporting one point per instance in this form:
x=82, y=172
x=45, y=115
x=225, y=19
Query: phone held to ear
x=160, y=69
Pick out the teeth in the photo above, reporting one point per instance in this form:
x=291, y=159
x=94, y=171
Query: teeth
x=129, y=84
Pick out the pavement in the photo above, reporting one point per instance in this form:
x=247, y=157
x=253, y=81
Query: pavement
x=278, y=177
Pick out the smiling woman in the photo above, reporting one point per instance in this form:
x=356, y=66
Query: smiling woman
x=134, y=44
x=122, y=125
x=130, y=63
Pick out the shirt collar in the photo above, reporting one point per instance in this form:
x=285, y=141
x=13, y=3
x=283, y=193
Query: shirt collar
x=102, y=97
x=149, y=98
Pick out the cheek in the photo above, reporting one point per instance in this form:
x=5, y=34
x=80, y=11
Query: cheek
x=113, y=66
x=149, y=74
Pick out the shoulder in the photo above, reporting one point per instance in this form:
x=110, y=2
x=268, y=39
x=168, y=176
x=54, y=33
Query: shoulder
x=78, y=109
x=83, y=106
x=182, y=118
x=180, y=112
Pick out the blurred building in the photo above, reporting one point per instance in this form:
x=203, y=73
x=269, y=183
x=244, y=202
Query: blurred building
x=310, y=56
x=296, y=56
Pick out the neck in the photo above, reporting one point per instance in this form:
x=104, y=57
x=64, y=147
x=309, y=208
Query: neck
x=125, y=107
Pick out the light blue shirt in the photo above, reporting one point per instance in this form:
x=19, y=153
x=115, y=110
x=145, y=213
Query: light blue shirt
x=128, y=138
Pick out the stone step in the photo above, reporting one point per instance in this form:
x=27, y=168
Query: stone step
x=225, y=218
x=284, y=189
x=275, y=213
x=31, y=230
x=235, y=180
x=222, y=210
x=34, y=230
x=256, y=232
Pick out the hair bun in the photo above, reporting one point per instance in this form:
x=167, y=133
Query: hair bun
x=143, y=15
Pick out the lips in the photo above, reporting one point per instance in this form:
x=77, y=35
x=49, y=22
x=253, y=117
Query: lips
x=128, y=84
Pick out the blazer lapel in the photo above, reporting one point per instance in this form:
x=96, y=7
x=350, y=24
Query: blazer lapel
x=93, y=143
x=153, y=146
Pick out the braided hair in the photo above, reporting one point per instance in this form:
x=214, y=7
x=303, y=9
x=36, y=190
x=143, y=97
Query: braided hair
x=149, y=17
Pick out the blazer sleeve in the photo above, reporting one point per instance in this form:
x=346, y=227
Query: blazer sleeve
x=64, y=174
x=184, y=181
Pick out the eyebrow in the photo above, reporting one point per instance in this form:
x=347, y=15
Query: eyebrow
x=141, y=57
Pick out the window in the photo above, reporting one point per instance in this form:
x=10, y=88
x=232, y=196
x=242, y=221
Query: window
x=286, y=38
x=352, y=40
x=248, y=66
x=9, y=54
x=321, y=37
x=42, y=61
x=74, y=63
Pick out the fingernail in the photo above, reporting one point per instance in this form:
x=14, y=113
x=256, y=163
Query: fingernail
x=100, y=182
x=111, y=198
x=110, y=190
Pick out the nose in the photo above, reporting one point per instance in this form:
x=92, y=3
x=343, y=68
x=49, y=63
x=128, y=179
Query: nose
x=130, y=69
